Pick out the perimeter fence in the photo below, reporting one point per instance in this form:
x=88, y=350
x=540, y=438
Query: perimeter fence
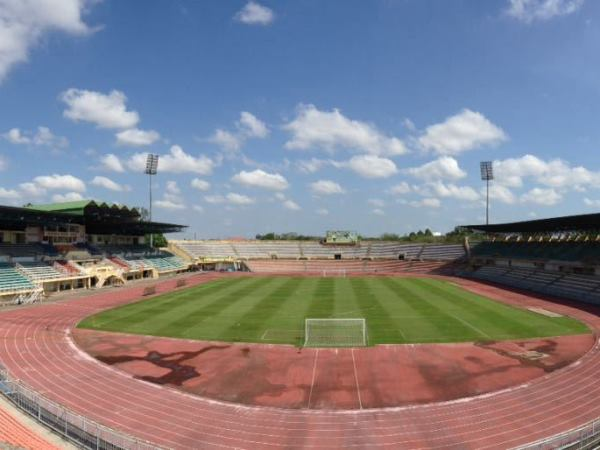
x=79, y=430
x=586, y=437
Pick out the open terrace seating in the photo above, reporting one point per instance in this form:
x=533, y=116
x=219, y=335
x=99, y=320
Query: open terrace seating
x=573, y=286
x=12, y=280
x=39, y=271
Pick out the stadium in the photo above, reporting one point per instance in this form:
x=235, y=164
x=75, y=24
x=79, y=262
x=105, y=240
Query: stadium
x=299, y=225
x=340, y=342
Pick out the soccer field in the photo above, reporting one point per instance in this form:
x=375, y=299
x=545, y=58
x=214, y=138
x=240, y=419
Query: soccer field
x=273, y=310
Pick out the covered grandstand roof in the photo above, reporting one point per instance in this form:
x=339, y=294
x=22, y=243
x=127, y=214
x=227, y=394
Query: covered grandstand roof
x=98, y=218
x=581, y=222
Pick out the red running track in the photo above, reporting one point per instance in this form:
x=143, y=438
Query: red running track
x=36, y=347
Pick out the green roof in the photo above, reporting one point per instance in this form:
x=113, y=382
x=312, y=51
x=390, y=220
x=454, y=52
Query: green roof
x=77, y=207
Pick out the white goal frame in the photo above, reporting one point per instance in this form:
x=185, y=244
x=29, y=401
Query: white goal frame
x=334, y=273
x=332, y=339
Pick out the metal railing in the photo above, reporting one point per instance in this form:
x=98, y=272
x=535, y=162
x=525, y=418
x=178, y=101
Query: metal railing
x=586, y=437
x=79, y=430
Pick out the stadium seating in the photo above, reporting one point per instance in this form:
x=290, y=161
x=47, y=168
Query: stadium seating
x=330, y=267
x=315, y=250
x=12, y=280
x=26, y=250
x=39, y=271
x=165, y=263
x=572, y=286
x=559, y=251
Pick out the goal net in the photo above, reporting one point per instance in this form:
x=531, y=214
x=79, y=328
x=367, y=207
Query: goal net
x=334, y=273
x=335, y=333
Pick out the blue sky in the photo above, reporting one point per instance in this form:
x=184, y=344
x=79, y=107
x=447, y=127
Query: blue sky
x=303, y=115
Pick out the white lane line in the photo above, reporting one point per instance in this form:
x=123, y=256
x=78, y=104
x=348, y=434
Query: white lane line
x=356, y=380
x=312, y=383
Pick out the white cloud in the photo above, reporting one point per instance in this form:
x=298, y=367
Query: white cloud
x=32, y=190
x=310, y=165
x=168, y=204
x=378, y=212
x=500, y=193
x=331, y=130
x=464, y=131
x=555, y=173
x=440, y=189
x=68, y=197
x=9, y=194
x=109, y=184
x=176, y=161
x=42, y=137
x=252, y=127
x=23, y=23
x=15, y=136
x=443, y=168
x=201, y=185
x=425, y=203
x=105, y=111
x=198, y=208
x=400, y=188
x=172, y=188
x=326, y=187
x=291, y=205
x=111, y=163
x=322, y=212
x=3, y=163
x=214, y=199
x=226, y=140
x=60, y=182
x=377, y=202
x=260, y=178
x=592, y=203
x=231, y=198
x=370, y=166
x=540, y=196
x=135, y=137
x=248, y=127
x=255, y=14
x=531, y=10
x=239, y=199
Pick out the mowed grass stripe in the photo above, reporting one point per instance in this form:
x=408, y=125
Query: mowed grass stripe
x=256, y=318
x=499, y=319
x=380, y=328
x=210, y=311
x=397, y=310
x=155, y=306
x=496, y=320
x=422, y=323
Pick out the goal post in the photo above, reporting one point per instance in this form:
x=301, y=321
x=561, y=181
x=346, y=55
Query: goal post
x=335, y=332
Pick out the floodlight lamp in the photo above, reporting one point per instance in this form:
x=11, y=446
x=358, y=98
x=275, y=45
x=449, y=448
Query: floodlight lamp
x=487, y=170
x=151, y=164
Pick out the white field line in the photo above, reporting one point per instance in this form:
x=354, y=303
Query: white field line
x=312, y=383
x=356, y=380
x=473, y=327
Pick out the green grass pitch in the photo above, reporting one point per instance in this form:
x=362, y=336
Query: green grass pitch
x=273, y=309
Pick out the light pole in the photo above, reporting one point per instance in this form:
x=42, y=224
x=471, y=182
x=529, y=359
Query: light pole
x=151, y=168
x=487, y=174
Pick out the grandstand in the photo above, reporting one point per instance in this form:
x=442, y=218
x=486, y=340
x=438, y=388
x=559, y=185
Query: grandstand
x=83, y=244
x=210, y=252
x=558, y=256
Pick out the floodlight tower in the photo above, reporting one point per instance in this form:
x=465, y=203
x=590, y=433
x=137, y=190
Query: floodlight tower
x=487, y=174
x=151, y=169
